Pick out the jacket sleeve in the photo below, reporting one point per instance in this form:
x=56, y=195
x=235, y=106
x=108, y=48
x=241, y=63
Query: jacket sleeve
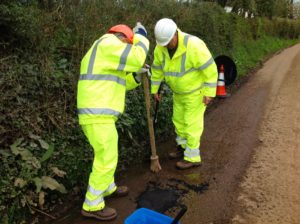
x=131, y=83
x=134, y=56
x=157, y=70
x=204, y=62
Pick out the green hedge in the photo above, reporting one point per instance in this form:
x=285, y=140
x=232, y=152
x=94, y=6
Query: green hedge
x=43, y=150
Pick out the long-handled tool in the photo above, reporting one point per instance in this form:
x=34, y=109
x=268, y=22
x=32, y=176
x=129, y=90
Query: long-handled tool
x=180, y=214
x=155, y=166
x=157, y=107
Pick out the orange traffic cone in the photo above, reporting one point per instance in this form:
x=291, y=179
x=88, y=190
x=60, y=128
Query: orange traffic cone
x=221, y=91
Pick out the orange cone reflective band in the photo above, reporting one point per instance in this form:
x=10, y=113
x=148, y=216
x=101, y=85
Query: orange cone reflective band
x=221, y=91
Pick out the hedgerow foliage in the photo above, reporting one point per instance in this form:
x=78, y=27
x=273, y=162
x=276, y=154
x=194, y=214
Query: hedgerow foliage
x=43, y=150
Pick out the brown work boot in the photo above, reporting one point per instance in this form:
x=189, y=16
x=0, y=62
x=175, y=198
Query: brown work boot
x=120, y=192
x=177, y=153
x=186, y=164
x=103, y=214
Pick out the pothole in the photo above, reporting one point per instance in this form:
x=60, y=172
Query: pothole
x=163, y=197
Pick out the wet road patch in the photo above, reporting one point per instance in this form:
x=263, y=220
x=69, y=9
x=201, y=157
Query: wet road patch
x=163, y=197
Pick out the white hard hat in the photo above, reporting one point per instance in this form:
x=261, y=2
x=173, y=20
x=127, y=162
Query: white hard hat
x=164, y=31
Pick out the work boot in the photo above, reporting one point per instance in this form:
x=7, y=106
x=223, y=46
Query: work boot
x=186, y=164
x=103, y=214
x=177, y=153
x=120, y=192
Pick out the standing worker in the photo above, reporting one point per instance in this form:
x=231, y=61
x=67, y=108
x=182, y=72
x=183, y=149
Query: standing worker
x=189, y=70
x=111, y=66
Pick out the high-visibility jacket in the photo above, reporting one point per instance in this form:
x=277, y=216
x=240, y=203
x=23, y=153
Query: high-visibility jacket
x=105, y=74
x=191, y=68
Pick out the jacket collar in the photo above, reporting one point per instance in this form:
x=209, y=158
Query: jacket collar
x=181, y=48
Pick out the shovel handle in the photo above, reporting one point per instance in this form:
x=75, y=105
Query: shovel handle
x=149, y=119
x=179, y=215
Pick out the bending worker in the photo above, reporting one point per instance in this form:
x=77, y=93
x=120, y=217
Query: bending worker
x=187, y=66
x=107, y=71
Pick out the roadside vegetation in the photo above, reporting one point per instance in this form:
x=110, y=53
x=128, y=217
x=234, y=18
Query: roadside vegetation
x=43, y=152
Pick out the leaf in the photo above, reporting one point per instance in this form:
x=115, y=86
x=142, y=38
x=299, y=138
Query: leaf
x=25, y=154
x=23, y=202
x=35, y=137
x=48, y=153
x=14, y=150
x=43, y=144
x=58, y=172
x=33, y=145
x=38, y=184
x=5, y=154
x=41, y=198
x=19, y=182
x=52, y=184
x=17, y=142
x=130, y=135
x=34, y=162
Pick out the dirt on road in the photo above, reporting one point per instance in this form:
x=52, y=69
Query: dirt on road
x=251, y=158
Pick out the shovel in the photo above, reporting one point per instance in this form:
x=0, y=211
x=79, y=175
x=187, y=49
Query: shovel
x=179, y=215
x=155, y=166
x=157, y=106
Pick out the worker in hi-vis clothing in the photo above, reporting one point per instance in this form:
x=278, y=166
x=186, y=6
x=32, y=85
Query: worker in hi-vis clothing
x=111, y=66
x=186, y=65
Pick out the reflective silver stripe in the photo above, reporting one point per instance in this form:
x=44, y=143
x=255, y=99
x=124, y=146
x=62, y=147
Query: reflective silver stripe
x=103, y=77
x=194, y=90
x=180, y=140
x=208, y=63
x=124, y=57
x=106, y=111
x=190, y=153
x=185, y=40
x=111, y=186
x=140, y=43
x=157, y=83
x=210, y=84
x=93, y=56
x=176, y=74
x=183, y=62
x=95, y=192
x=180, y=74
x=94, y=202
x=163, y=62
x=158, y=67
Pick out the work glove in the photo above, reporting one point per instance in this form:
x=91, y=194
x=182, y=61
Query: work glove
x=140, y=29
x=143, y=71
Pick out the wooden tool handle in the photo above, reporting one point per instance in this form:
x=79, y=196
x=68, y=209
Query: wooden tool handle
x=149, y=119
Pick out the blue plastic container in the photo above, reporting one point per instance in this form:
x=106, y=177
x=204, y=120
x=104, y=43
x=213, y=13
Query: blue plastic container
x=147, y=216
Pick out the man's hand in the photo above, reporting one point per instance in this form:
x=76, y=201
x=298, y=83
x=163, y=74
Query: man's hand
x=140, y=29
x=157, y=97
x=207, y=100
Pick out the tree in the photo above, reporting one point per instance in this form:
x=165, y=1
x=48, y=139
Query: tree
x=243, y=7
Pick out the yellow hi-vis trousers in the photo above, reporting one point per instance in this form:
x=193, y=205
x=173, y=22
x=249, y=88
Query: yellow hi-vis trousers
x=188, y=115
x=104, y=140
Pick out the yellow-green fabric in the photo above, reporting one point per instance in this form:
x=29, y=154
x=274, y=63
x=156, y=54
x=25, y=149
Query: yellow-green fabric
x=105, y=75
x=191, y=74
x=188, y=114
x=104, y=140
x=192, y=67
